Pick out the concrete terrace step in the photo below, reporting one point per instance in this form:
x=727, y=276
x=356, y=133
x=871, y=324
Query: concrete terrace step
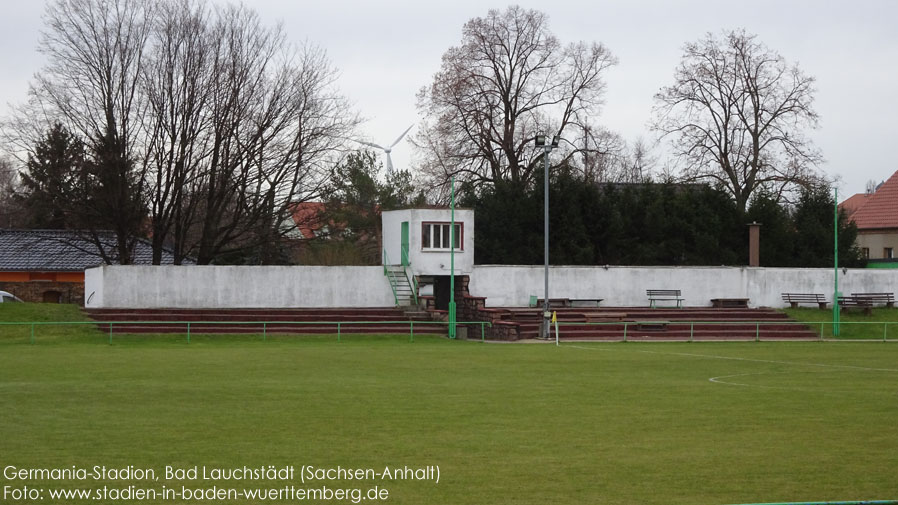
x=697, y=322
x=296, y=311
x=679, y=334
x=365, y=320
x=259, y=318
x=311, y=329
x=701, y=314
x=669, y=325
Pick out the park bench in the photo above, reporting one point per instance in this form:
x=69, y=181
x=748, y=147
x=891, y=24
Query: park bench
x=554, y=302
x=740, y=303
x=651, y=325
x=887, y=299
x=859, y=302
x=585, y=302
x=793, y=299
x=565, y=303
x=672, y=295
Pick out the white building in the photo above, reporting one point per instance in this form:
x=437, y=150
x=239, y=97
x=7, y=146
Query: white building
x=417, y=242
x=419, y=239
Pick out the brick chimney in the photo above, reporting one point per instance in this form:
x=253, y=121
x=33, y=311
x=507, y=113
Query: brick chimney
x=754, y=244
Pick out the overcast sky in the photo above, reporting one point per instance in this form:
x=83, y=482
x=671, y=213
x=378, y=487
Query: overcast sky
x=387, y=50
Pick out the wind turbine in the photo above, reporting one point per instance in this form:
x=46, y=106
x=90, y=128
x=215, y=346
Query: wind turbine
x=387, y=149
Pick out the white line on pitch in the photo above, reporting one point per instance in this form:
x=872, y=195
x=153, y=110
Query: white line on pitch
x=712, y=356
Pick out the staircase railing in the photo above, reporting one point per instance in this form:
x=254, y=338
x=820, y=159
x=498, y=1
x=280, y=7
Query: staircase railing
x=412, y=281
x=405, y=258
x=390, y=278
x=414, y=284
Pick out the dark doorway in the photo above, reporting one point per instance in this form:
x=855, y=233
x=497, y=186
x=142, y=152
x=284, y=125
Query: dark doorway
x=52, y=297
x=441, y=291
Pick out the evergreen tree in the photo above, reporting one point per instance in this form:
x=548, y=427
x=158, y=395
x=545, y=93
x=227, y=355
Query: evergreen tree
x=777, y=247
x=813, y=224
x=49, y=184
x=353, y=209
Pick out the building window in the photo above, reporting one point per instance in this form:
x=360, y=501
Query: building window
x=435, y=236
x=866, y=252
x=887, y=253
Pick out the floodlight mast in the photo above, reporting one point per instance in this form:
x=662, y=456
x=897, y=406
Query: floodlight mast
x=540, y=141
x=836, y=315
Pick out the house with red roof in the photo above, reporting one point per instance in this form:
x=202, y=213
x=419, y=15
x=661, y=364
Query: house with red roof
x=854, y=203
x=876, y=217
x=308, y=219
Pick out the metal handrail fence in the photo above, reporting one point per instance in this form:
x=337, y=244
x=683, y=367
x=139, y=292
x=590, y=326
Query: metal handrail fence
x=386, y=263
x=341, y=326
x=758, y=324
x=344, y=327
x=412, y=281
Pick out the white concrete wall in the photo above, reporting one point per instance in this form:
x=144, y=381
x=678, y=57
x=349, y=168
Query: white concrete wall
x=391, y=222
x=626, y=286
x=93, y=287
x=307, y=286
x=428, y=262
x=236, y=287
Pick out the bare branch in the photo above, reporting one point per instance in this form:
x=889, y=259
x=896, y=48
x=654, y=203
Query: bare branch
x=735, y=115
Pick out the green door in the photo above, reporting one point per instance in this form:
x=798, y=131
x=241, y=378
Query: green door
x=404, y=253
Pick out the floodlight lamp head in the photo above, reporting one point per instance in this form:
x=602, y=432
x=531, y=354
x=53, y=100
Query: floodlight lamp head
x=555, y=140
x=540, y=140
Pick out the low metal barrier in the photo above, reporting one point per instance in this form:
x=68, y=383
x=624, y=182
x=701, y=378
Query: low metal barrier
x=341, y=326
x=627, y=325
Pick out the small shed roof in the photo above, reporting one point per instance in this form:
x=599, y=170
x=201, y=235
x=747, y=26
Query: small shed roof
x=63, y=251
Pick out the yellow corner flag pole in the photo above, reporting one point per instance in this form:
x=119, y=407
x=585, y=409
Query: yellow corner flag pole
x=555, y=321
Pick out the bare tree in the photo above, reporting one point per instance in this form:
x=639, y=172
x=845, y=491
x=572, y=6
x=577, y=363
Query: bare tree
x=276, y=122
x=242, y=124
x=10, y=212
x=735, y=116
x=203, y=125
x=871, y=186
x=90, y=85
x=607, y=157
x=175, y=85
x=508, y=80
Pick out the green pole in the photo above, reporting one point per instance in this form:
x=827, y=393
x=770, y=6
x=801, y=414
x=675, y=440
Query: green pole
x=836, y=266
x=452, y=260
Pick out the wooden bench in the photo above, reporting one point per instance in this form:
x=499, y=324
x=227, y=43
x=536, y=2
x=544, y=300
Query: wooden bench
x=887, y=299
x=793, y=299
x=554, y=302
x=602, y=317
x=672, y=295
x=740, y=303
x=651, y=325
x=860, y=302
x=575, y=316
x=585, y=302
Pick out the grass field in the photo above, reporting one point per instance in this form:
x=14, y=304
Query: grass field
x=621, y=423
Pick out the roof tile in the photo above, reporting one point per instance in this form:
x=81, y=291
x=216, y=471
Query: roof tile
x=881, y=208
x=62, y=251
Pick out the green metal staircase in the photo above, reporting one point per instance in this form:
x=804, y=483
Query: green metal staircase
x=405, y=288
